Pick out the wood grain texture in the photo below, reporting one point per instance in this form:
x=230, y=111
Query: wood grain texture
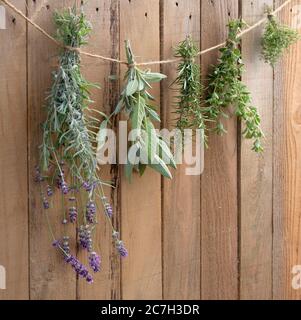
x=219, y=234
x=104, y=16
x=256, y=171
x=13, y=159
x=181, y=219
x=287, y=171
x=50, y=278
x=141, y=200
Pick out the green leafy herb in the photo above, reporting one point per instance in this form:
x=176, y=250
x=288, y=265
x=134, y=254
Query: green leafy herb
x=276, y=39
x=226, y=90
x=190, y=112
x=147, y=147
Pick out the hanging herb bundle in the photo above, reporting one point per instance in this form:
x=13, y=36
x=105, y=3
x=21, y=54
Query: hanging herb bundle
x=276, y=40
x=68, y=158
x=226, y=90
x=147, y=147
x=191, y=114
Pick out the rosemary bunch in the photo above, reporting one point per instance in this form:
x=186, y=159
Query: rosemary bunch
x=276, y=39
x=226, y=90
x=147, y=147
x=190, y=112
x=68, y=156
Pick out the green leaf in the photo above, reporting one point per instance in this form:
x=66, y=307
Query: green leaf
x=153, y=114
x=132, y=87
x=165, y=153
x=138, y=114
x=153, y=76
x=161, y=167
x=129, y=171
x=141, y=168
x=152, y=140
x=119, y=106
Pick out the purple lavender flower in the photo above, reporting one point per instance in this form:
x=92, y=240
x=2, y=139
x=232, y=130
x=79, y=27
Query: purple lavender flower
x=121, y=249
x=61, y=183
x=91, y=211
x=88, y=186
x=72, y=199
x=94, y=261
x=64, y=187
x=79, y=268
x=65, y=245
x=49, y=191
x=38, y=176
x=60, y=179
x=85, y=239
x=109, y=210
x=89, y=279
x=56, y=243
x=73, y=214
x=46, y=204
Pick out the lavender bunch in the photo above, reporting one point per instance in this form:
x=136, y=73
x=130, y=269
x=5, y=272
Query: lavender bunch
x=68, y=158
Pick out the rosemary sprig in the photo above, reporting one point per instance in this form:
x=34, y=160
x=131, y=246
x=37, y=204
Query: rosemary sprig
x=147, y=147
x=190, y=112
x=226, y=89
x=276, y=39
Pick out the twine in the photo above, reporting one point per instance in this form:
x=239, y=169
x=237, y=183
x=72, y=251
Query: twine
x=147, y=63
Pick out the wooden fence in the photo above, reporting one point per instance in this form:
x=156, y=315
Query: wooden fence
x=233, y=233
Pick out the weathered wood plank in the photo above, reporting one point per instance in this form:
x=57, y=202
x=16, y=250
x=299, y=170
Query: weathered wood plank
x=256, y=170
x=13, y=160
x=181, y=202
x=141, y=200
x=219, y=234
x=287, y=173
x=50, y=278
x=104, y=16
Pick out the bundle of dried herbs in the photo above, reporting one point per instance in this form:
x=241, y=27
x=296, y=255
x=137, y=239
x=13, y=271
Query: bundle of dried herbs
x=191, y=113
x=276, y=39
x=226, y=90
x=147, y=147
x=68, y=159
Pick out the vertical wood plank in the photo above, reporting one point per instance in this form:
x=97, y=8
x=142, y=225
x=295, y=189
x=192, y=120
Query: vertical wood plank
x=181, y=202
x=256, y=170
x=287, y=172
x=141, y=200
x=13, y=159
x=50, y=278
x=104, y=16
x=219, y=234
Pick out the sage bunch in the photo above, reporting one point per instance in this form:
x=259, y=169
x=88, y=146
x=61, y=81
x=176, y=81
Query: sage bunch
x=68, y=159
x=147, y=147
x=226, y=91
x=191, y=114
x=277, y=38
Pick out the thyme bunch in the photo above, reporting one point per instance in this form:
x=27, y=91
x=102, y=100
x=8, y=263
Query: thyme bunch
x=225, y=90
x=277, y=38
x=189, y=110
x=147, y=147
x=68, y=157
